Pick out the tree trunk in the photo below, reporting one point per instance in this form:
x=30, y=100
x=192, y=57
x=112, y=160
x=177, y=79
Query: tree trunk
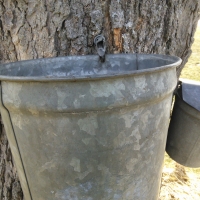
x=48, y=28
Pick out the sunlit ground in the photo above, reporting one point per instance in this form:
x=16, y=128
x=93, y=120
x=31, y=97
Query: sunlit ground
x=178, y=182
x=192, y=68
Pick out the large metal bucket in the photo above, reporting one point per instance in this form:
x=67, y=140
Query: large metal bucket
x=80, y=129
x=183, y=141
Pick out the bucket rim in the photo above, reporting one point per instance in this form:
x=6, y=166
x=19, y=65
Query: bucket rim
x=176, y=62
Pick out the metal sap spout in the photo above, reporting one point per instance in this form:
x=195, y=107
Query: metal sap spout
x=100, y=46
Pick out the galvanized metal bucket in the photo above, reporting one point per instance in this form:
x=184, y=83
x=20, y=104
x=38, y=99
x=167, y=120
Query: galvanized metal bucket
x=183, y=142
x=80, y=129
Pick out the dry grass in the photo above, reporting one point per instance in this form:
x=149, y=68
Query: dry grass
x=178, y=182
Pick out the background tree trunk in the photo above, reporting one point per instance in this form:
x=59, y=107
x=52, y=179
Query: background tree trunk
x=31, y=29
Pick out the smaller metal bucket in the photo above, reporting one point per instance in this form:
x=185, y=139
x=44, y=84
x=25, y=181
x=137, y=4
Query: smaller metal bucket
x=183, y=142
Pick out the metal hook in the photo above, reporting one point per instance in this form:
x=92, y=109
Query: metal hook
x=100, y=46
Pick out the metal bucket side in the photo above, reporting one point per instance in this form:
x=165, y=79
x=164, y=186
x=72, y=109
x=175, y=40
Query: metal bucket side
x=72, y=150
x=14, y=148
x=183, y=141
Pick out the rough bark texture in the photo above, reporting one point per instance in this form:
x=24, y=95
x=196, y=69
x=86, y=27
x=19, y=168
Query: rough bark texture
x=32, y=29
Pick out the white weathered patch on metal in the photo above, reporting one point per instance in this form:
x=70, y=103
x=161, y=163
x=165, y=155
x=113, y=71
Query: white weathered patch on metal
x=145, y=118
x=131, y=163
x=117, y=197
x=103, y=168
x=18, y=121
x=10, y=93
x=71, y=193
x=105, y=89
x=77, y=103
x=86, y=141
x=48, y=165
x=137, y=135
x=128, y=119
x=140, y=83
x=82, y=175
x=88, y=124
x=61, y=97
x=75, y=163
x=122, y=140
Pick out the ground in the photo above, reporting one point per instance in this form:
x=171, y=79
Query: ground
x=178, y=182
x=192, y=68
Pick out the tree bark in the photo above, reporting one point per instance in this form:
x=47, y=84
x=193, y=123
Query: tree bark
x=31, y=29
